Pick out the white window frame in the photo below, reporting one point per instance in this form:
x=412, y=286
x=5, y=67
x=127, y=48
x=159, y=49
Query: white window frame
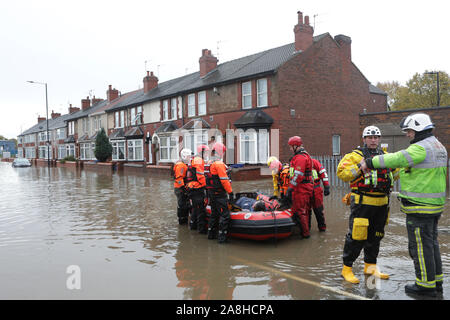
x=119, y=119
x=165, y=110
x=254, y=146
x=262, y=98
x=336, y=144
x=193, y=138
x=173, y=108
x=20, y=152
x=30, y=153
x=246, y=94
x=86, y=152
x=71, y=126
x=191, y=105
x=116, y=145
x=201, y=103
x=132, y=146
x=61, y=151
x=171, y=148
x=70, y=149
x=44, y=152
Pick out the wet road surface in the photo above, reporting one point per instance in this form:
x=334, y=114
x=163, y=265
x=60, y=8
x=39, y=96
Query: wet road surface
x=121, y=234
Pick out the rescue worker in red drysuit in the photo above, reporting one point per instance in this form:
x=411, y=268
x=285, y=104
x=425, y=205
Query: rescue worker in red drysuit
x=221, y=193
x=319, y=173
x=179, y=173
x=196, y=184
x=301, y=184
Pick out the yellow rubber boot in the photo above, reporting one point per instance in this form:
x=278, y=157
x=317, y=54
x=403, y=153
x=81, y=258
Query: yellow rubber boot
x=372, y=269
x=348, y=275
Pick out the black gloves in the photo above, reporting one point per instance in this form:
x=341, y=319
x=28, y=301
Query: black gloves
x=326, y=191
x=231, y=197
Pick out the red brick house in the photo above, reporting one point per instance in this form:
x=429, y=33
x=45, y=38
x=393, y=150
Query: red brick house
x=309, y=88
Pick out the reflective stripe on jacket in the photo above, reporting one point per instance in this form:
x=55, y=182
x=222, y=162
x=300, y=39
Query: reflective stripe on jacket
x=423, y=174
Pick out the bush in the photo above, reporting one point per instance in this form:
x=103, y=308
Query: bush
x=103, y=148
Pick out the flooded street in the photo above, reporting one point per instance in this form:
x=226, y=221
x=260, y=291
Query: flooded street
x=121, y=231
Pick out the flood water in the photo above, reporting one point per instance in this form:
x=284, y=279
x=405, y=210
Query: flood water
x=121, y=234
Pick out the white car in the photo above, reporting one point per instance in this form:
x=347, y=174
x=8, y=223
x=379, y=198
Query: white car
x=21, y=162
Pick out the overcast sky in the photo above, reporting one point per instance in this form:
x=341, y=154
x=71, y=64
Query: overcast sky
x=80, y=47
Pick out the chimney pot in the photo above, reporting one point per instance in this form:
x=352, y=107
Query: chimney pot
x=300, y=17
x=307, y=20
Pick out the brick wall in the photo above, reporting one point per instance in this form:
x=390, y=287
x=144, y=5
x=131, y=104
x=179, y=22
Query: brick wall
x=327, y=93
x=440, y=117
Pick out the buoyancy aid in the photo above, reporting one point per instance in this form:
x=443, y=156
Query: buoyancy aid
x=283, y=180
x=195, y=176
x=219, y=182
x=179, y=174
x=378, y=180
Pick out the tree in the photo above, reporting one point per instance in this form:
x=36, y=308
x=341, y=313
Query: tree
x=420, y=91
x=103, y=148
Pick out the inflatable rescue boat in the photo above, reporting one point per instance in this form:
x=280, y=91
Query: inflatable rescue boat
x=259, y=225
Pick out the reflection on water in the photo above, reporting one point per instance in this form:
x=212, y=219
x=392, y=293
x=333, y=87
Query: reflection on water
x=122, y=231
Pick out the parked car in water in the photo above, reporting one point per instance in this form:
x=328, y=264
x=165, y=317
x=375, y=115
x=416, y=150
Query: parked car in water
x=21, y=162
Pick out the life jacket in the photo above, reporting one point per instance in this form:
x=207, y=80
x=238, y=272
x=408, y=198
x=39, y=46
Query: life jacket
x=179, y=174
x=215, y=181
x=269, y=205
x=208, y=176
x=307, y=174
x=283, y=179
x=379, y=180
x=191, y=174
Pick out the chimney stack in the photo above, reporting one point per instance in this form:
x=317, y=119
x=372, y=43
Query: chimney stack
x=303, y=33
x=55, y=115
x=41, y=119
x=96, y=100
x=345, y=43
x=150, y=82
x=73, y=109
x=112, y=94
x=85, y=103
x=207, y=62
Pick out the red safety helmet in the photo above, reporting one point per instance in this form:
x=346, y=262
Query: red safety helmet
x=202, y=148
x=219, y=148
x=295, y=141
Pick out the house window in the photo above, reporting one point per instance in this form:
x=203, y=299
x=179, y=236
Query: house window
x=247, y=95
x=168, y=149
x=195, y=138
x=191, y=105
x=336, y=144
x=20, y=152
x=173, y=108
x=70, y=149
x=137, y=118
x=43, y=136
x=202, y=103
x=118, y=150
x=60, y=133
x=120, y=119
x=30, y=153
x=71, y=128
x=261, y=88
x=254, y=146
x=61, y=151
x=85, y=151
x=43, y=152
x=135, y=151
x=165, y=110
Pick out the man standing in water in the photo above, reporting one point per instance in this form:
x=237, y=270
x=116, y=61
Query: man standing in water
x=422, y=195
x=369, y=206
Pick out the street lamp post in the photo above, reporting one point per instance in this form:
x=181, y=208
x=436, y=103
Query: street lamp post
x=46, y=107
x=437, y=86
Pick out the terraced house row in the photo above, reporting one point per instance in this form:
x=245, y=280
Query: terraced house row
x=309, y=87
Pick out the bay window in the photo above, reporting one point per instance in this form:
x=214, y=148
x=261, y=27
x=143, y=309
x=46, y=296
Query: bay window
x=168, y=149
x=118, y=150
x=135, y=150
x=254, y=146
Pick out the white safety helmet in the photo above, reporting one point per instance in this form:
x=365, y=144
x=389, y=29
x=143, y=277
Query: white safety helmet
x=417, y=122
x=371, y=131
x=186, y=154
